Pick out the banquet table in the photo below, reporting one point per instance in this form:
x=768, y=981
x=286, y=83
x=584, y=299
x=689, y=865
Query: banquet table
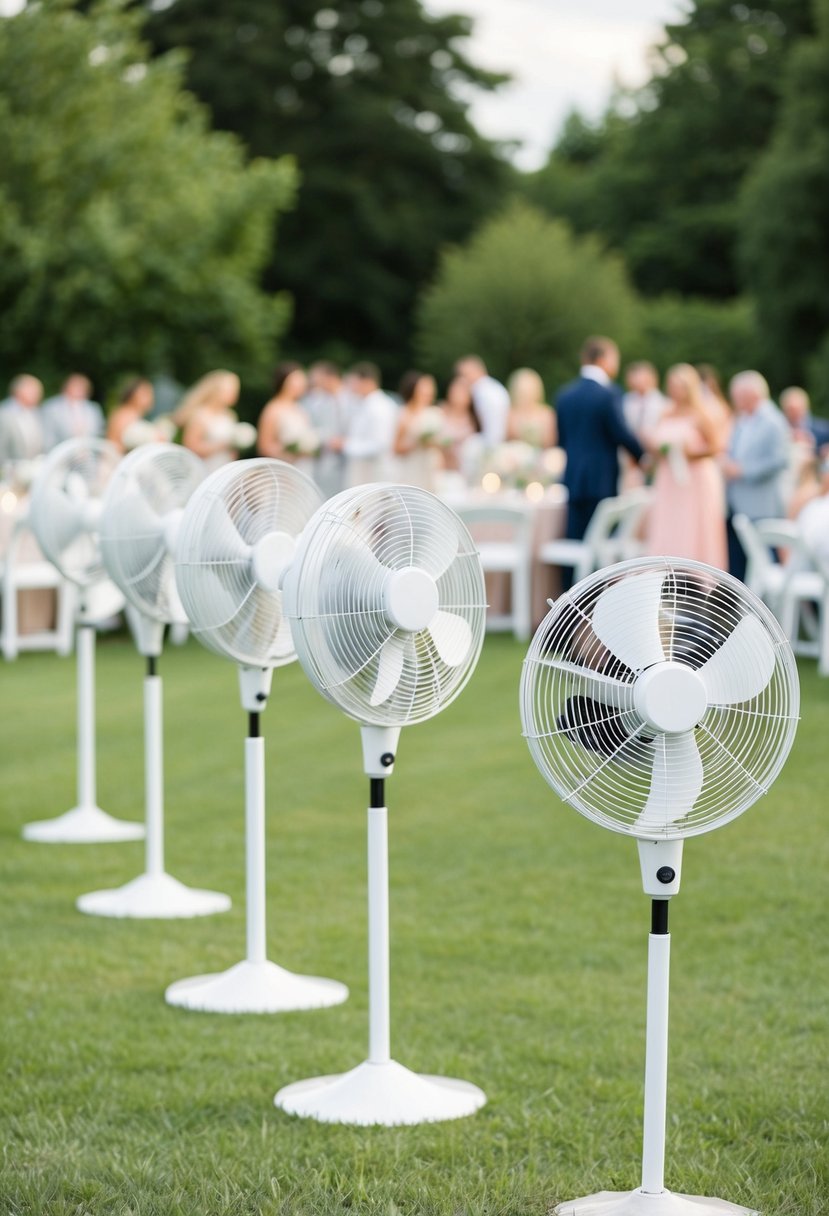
x=549, y=517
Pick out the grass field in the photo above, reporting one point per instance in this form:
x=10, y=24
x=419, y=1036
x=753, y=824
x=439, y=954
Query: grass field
x=518, y=962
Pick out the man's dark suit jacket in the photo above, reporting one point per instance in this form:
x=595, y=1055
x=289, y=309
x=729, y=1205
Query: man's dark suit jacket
x=591, y=429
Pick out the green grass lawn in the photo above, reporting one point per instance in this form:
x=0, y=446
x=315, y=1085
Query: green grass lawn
x=518, y=962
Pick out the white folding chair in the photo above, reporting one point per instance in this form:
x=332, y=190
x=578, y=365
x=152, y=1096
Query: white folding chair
x=794, y=589
x=611, y=536
x=510, y=554
x=31, y=572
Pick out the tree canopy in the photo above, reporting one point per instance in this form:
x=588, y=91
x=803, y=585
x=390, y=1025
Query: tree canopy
x=370, y=97
x=524, y=292
x=131, y=237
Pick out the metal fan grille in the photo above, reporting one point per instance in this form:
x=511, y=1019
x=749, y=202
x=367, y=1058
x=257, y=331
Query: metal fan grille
x=579, y=706
x=66, y=506
x=351, y=649
x=232, y=512
x=145, y=497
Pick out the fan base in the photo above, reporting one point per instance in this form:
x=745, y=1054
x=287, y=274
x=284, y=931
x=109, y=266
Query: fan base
x=153, y=896
x=83, y=825
x=255, y=988
x=386, y=1094
x=642, y=1203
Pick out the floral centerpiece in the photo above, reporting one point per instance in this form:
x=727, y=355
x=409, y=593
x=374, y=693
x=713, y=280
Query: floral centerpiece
x=518, y=464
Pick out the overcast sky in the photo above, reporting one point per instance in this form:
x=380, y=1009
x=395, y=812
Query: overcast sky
x=561, y=54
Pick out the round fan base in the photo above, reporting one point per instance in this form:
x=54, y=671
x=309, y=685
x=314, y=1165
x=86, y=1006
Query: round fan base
x=255, y=988
x=83, y=825
x=385, y=1094
x=153, y=897
x=641, y=1203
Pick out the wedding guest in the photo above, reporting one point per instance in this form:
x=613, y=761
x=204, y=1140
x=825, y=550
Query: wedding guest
x=371, y=429
x=756, y=459
x=135, y=401
x=530, y=418
x=715, y=399
x=592, y=429
x=205, y=415
x=805, y=429
x=419, y=427
x=21, y=432
x=687, y=517
x=460, y=422
x=72, y=414
x=643, y=404
x=489, y=397
x=284, y=430
x=328, y=404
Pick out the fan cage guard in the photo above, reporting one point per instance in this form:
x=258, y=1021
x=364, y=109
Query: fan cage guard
x=338, y=613
x=228, y=514
x=70, y=485
x=600, y=758
x=149, y=485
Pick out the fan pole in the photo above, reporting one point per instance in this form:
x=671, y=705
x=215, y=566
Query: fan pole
x=379, y=1033
x=255, y=841
x=87, y=794
x=656, y=1051
x=153, y=769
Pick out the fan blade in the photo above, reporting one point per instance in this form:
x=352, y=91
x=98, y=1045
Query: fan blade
x=676, y=782
x=606, y=689
x=223, y=542
x=742, y=667
x=132, y=516
x=389, y=670
x=452, y=637
x=283, y=643
x=62, y=516
x=626, y=620
x=434, y=550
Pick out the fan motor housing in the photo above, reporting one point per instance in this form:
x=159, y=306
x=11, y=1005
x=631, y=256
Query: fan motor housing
x=671, y=697
x=411, y=598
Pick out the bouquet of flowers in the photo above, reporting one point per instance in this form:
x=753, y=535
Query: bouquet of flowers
x=428, y=427
x=299, y=438
x=146, y=430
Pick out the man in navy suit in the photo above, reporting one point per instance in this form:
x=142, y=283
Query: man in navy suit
x=591, y=429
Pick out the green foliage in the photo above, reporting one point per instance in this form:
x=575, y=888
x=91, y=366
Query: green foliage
x=786, y=221
x=519, y=939
x=659, y=178
x=368, y=97
x=130, y=236
x=694, y=330
x=524, y=292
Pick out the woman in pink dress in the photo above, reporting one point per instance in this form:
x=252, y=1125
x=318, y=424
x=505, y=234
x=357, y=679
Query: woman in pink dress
x=687, y=517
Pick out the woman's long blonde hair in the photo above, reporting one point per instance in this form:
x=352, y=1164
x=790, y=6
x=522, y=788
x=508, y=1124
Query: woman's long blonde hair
x=526, y=386
x=205, y=394
x=689, y=377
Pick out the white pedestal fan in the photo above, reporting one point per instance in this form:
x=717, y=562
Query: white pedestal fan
x=65, y=512
x=660, y=699
x=138, y=526
x=387, y=606
x=235, y=537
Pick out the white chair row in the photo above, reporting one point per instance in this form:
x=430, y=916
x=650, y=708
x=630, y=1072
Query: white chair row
x=611, y=536
x=22, y=569
x=795, y=587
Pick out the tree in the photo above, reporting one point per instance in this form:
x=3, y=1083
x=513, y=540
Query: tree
x=785, y=209
x=663, y=169
x=369, y=98
x=524, y=292
x=131, y=238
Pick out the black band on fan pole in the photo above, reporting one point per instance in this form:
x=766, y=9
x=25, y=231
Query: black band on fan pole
x=253, y=725
x=152, y=665
x=659, y=916
x=377, y=794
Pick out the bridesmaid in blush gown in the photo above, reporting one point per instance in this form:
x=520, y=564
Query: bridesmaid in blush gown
x=687, y=516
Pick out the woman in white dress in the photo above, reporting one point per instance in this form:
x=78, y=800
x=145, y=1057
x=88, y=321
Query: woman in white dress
x=417, y=443
x=284, y=429
x=206, y=417
x=530, y=419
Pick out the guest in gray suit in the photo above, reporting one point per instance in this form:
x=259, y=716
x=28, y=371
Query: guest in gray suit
x=71, y=415
x=21, y=433
x=757, y=458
